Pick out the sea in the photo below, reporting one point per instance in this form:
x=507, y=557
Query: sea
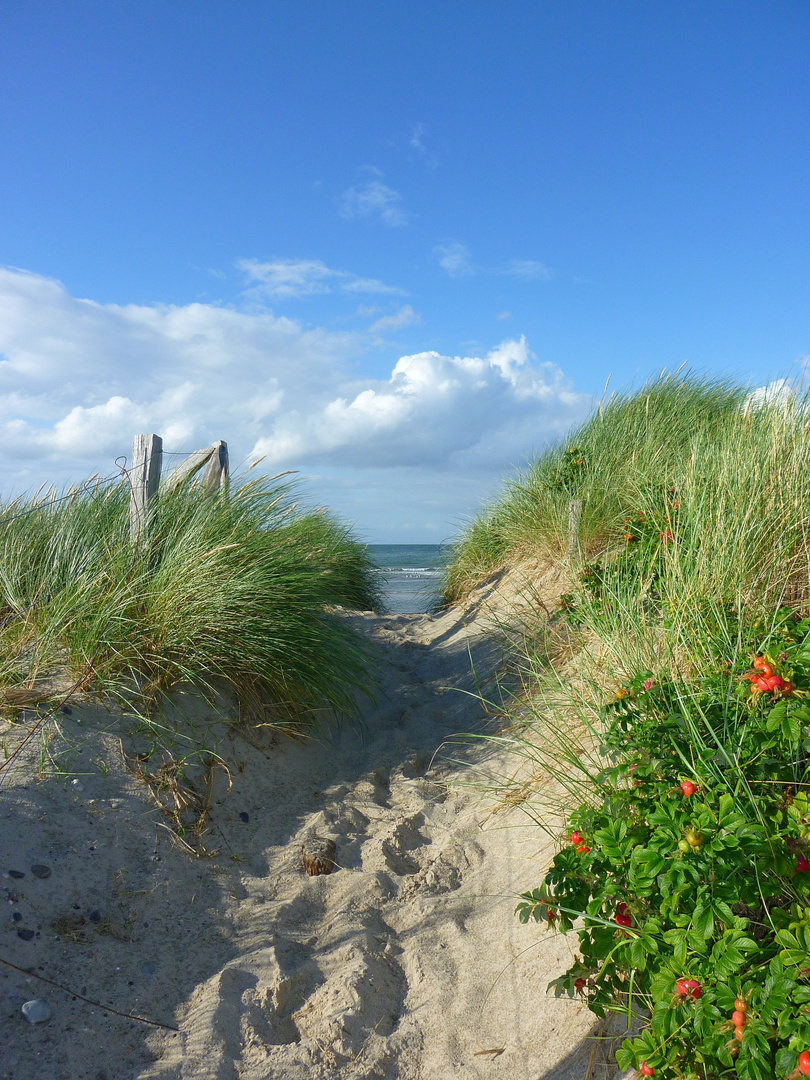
x=411, y=575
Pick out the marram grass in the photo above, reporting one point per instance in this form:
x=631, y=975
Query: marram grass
x=741, y=479
x=240, y=588
x=695, y=525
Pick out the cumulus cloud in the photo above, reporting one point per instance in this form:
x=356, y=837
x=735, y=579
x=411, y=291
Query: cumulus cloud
x=775, y=395
x=415, y=140
x=374, y=199
x=528, y=269
x=78, y=379
x=406, y=316
x=437, y=411
x=295, y=278
x=455, y=259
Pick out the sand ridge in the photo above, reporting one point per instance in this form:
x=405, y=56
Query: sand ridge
x=406, y=963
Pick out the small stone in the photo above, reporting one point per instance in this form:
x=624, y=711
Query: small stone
x=26, y=935
x=40, y=871
x=148, y=968
x=244, y=817
x=77, y=785
x=95, y=915
x=16, y=874
x=17, y=916
x=66, y=709
x=36, y=1011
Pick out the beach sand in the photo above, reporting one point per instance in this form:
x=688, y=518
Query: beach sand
x=405, y=963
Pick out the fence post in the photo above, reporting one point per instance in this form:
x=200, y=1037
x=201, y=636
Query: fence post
x=574, y=516
x=214, y=457
x=218, y=467
x=147, y=452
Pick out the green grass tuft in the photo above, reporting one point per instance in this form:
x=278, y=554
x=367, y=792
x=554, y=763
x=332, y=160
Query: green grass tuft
x=240, y=587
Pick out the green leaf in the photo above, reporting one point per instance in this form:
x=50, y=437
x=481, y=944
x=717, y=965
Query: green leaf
x=776, y=716
x=625, y=1058
x=725, y=809
x=724, y=912
x=703, y=922
x=791, y=729
x=785, y=1060
x=638, y=954
x=677, y=939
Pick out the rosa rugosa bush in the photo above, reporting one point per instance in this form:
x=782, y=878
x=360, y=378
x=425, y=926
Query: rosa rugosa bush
x=692, y=911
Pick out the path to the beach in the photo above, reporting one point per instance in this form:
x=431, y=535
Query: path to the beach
x=405, y=963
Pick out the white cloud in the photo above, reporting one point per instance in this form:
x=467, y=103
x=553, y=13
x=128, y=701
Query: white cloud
x=289, y=277
x=372, y=199
x=415, y=140
x=370, y=285
x=775, y=395
x=295, y=278
x=502, y=316
x=435, y=410
x=78, y=379
x=454, y=258
x=406, y=316
x=528, y=269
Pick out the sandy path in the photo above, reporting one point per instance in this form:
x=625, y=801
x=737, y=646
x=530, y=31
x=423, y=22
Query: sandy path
x=406, y=962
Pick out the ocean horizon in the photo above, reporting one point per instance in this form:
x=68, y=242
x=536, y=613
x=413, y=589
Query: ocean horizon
x=411, y=575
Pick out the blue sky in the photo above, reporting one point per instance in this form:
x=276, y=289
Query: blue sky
x=397, y=247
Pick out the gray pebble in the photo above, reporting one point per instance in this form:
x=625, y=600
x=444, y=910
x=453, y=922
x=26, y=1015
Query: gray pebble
x=36, y=1011
x=244, y=817
x=16, y=874
x=40, y=871
x=26, y=935
x=95, y=915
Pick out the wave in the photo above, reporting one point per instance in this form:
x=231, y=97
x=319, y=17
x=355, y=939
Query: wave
x=409, y=571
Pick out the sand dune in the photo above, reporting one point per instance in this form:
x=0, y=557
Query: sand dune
x=405, y=962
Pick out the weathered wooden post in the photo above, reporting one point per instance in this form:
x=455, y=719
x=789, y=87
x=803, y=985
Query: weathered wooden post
x=218, y=467
x=214, y=457
x=574, y=517
x=144, y=477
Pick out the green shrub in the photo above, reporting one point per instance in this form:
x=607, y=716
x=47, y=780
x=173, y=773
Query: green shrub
x=689, y=861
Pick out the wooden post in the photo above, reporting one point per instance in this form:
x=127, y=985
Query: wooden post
x=218, y=467
x=215, y=457
x=574, y=516
x=144, y=475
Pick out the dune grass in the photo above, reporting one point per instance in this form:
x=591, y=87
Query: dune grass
x=694, y=528
x=688, y=564
x=732, y=486
x=237, y=588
